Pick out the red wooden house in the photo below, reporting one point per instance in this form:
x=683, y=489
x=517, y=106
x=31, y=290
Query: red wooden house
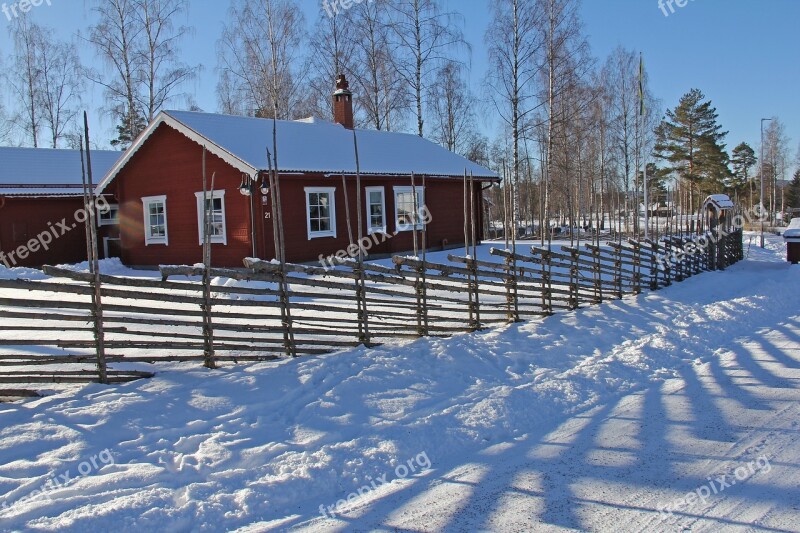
x=41, y=206
x=158, y=186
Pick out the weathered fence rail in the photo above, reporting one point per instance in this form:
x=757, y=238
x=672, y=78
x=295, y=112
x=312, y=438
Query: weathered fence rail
x=78, y=327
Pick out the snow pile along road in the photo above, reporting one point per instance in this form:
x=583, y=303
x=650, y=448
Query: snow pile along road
x=583, y=420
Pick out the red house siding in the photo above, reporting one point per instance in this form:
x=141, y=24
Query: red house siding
x=171, y=164
x=23, y=219
x=444, y=200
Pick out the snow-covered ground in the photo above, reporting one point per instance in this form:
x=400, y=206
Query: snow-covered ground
x=584, y=421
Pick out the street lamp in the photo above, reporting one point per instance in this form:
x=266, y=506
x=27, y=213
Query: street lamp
x=248, y=188
x=761, y=215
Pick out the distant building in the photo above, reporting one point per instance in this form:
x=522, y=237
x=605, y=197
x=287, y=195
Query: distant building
x=158, y=183
x=40, y=193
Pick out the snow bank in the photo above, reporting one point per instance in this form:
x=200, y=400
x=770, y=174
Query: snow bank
x=111, y=267
x=21, y=273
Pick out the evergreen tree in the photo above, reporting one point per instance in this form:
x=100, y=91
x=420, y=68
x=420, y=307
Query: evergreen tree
x=793, y=192
x=129, y=128
x=691, y=142
x=743, y=158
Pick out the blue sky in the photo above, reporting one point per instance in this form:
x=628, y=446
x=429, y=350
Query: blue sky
x=741, y=53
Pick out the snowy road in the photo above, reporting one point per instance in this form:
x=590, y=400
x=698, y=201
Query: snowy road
x=715, y=448
x=594, y=420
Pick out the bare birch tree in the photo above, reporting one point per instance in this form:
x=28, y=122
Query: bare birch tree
x=382, y=95
x=46, y=79
x=565, y=61
x=140, y=45
x=331, y=52
x=452, y=109
x=116, y=38
x=161, y=70
x=776, y=161
x=427, y=37
x=25, y=78
x=61, y=88
x=260, y=66
x=514, y=42
x=621, y=76
x=6, y=126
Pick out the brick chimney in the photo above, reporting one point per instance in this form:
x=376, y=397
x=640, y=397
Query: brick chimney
x=343, y=103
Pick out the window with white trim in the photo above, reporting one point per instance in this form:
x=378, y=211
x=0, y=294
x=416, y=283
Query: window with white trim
x=155, y=220
x=406, y=216
x=218, y=232
x=321, y=211
x=376, y=210
x=108, y=216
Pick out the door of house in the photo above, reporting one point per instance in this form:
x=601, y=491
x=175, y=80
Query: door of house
x=267, y=236
x=112, y=247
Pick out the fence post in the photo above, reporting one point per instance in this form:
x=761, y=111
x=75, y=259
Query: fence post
x=653, y=269
x=721, y=248
x=93, y=257
x=361, y=299
x=421, y=290
x=512, y=296
x=618, y=270
x=286, y=316
x=637, y=269
x=208, y=326
x=547, y=282
x=475, y=301
x=680, y=273
x=667, y=263
x=574, y=297
x=598, y=285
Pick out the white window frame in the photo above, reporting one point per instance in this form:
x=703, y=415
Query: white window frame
x=148, y=238
x=368, y=191
x=331, y=191
x=215, y=239
x=420, y=208
x=108, y=221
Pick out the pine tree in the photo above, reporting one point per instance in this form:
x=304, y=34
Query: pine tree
x=743, y=158
x=128, y=129
x=793, y=192
x=691, y=142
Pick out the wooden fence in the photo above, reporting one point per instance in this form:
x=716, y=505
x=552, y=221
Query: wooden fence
x=76, y=328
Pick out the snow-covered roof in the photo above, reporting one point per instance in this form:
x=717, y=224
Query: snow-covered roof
x=720, y=201
x=32, y=172
x=793, y=231
x=308, y=146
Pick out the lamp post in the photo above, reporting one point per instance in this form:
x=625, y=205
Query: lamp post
x=248, y=188
x=761, y=202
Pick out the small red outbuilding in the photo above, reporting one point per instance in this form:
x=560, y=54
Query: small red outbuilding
x=158, y=186
x=792, y=238
x=41, y=206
